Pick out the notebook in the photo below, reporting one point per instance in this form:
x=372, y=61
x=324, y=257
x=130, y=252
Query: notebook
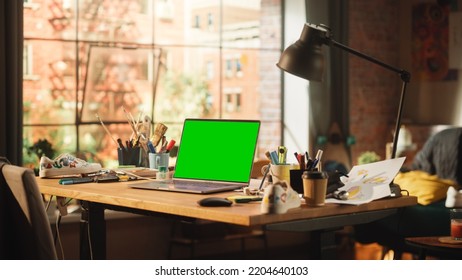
x=214, y=155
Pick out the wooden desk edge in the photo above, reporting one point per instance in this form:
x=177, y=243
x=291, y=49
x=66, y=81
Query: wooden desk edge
x=242, y=214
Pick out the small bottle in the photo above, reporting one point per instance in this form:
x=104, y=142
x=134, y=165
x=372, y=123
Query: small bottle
x=162, y=173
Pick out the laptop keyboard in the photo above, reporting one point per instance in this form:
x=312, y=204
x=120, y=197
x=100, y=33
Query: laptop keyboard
x=180, y=183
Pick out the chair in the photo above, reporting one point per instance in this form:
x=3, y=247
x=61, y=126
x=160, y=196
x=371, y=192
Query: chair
x=26, y=231
x=439, y=156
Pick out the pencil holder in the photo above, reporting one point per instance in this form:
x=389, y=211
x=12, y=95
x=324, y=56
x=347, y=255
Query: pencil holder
x=296, y=181
x=131, y=156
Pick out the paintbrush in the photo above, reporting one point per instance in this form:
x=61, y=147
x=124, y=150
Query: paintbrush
x=107, y=130
x=132, y=123
x=159, y=131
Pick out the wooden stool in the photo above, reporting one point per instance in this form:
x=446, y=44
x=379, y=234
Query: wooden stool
x=442, y=247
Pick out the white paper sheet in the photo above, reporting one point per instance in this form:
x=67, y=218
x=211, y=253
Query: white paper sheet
x=370, y=181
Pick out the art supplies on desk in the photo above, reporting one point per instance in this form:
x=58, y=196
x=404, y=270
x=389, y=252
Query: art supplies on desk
x=368, y=182
x=197, y=170
x=101, y=178
x=308, y=164
x=134, y=151
x=142, y=172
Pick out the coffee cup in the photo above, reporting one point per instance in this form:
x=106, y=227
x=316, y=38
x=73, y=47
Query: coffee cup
x=314, y=187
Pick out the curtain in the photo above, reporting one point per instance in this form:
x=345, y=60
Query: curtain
x=11, y=51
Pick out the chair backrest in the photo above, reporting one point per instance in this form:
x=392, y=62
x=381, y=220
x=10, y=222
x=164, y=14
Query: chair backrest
x=25, y=231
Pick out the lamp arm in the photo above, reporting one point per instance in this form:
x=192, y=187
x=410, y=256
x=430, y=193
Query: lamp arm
x=398, y=119
x=404, y=75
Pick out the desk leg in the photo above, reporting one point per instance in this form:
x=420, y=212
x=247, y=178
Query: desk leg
x=92, y=232
x=322, y=245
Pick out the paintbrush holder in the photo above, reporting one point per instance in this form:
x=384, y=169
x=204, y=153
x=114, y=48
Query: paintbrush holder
x=133, y=156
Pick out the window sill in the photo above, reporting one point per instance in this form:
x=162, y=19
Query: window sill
x=33, y=6
x=31, y=77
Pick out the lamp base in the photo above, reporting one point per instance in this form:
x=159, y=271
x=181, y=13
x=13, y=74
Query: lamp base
x=395, y=190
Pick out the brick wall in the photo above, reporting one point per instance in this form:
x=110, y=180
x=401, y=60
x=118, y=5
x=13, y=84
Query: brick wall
x=374, y=91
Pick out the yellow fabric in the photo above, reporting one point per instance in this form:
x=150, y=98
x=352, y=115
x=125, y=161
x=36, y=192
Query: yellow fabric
x=427, y=188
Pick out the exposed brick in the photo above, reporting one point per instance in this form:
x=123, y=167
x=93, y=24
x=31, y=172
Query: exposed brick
x=374, y=91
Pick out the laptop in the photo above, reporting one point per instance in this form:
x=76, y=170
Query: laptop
x=214, y=155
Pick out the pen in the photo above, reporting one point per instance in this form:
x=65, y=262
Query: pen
x=268, y=155
x=317, y=159
x=313, y=165
x=302, y=162
x=71, y=181
x=307, y=155
x=264, y=176
x=319, y=155
x=170, y=145
x=274, y=157
x=282, y=154
x=245, y=199
x=151, y=147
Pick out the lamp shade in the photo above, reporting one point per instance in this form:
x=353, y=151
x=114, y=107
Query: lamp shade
x=304, y=58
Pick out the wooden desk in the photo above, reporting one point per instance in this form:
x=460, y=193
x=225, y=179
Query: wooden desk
x=95, y=197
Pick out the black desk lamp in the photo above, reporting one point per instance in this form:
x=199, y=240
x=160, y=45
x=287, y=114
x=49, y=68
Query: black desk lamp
x=305, y=59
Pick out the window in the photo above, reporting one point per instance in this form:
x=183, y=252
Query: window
x=197, y=21
x=229, y=103
x=210, y=70
x=27, y=60
x=238, y=67
x=229, y=68
x=95, y=58
x=238, y=102
x=210, y=21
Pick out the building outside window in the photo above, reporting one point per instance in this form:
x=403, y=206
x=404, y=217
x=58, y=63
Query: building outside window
x=98, y=58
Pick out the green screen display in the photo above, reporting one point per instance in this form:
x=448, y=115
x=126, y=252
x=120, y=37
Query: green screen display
x=219, y=150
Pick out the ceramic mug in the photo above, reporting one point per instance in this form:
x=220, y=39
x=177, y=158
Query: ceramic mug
x=279, y=172
x=157, y=160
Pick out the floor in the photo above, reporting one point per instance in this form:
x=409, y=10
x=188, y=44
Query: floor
x=347, y=249
x=153, y=233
